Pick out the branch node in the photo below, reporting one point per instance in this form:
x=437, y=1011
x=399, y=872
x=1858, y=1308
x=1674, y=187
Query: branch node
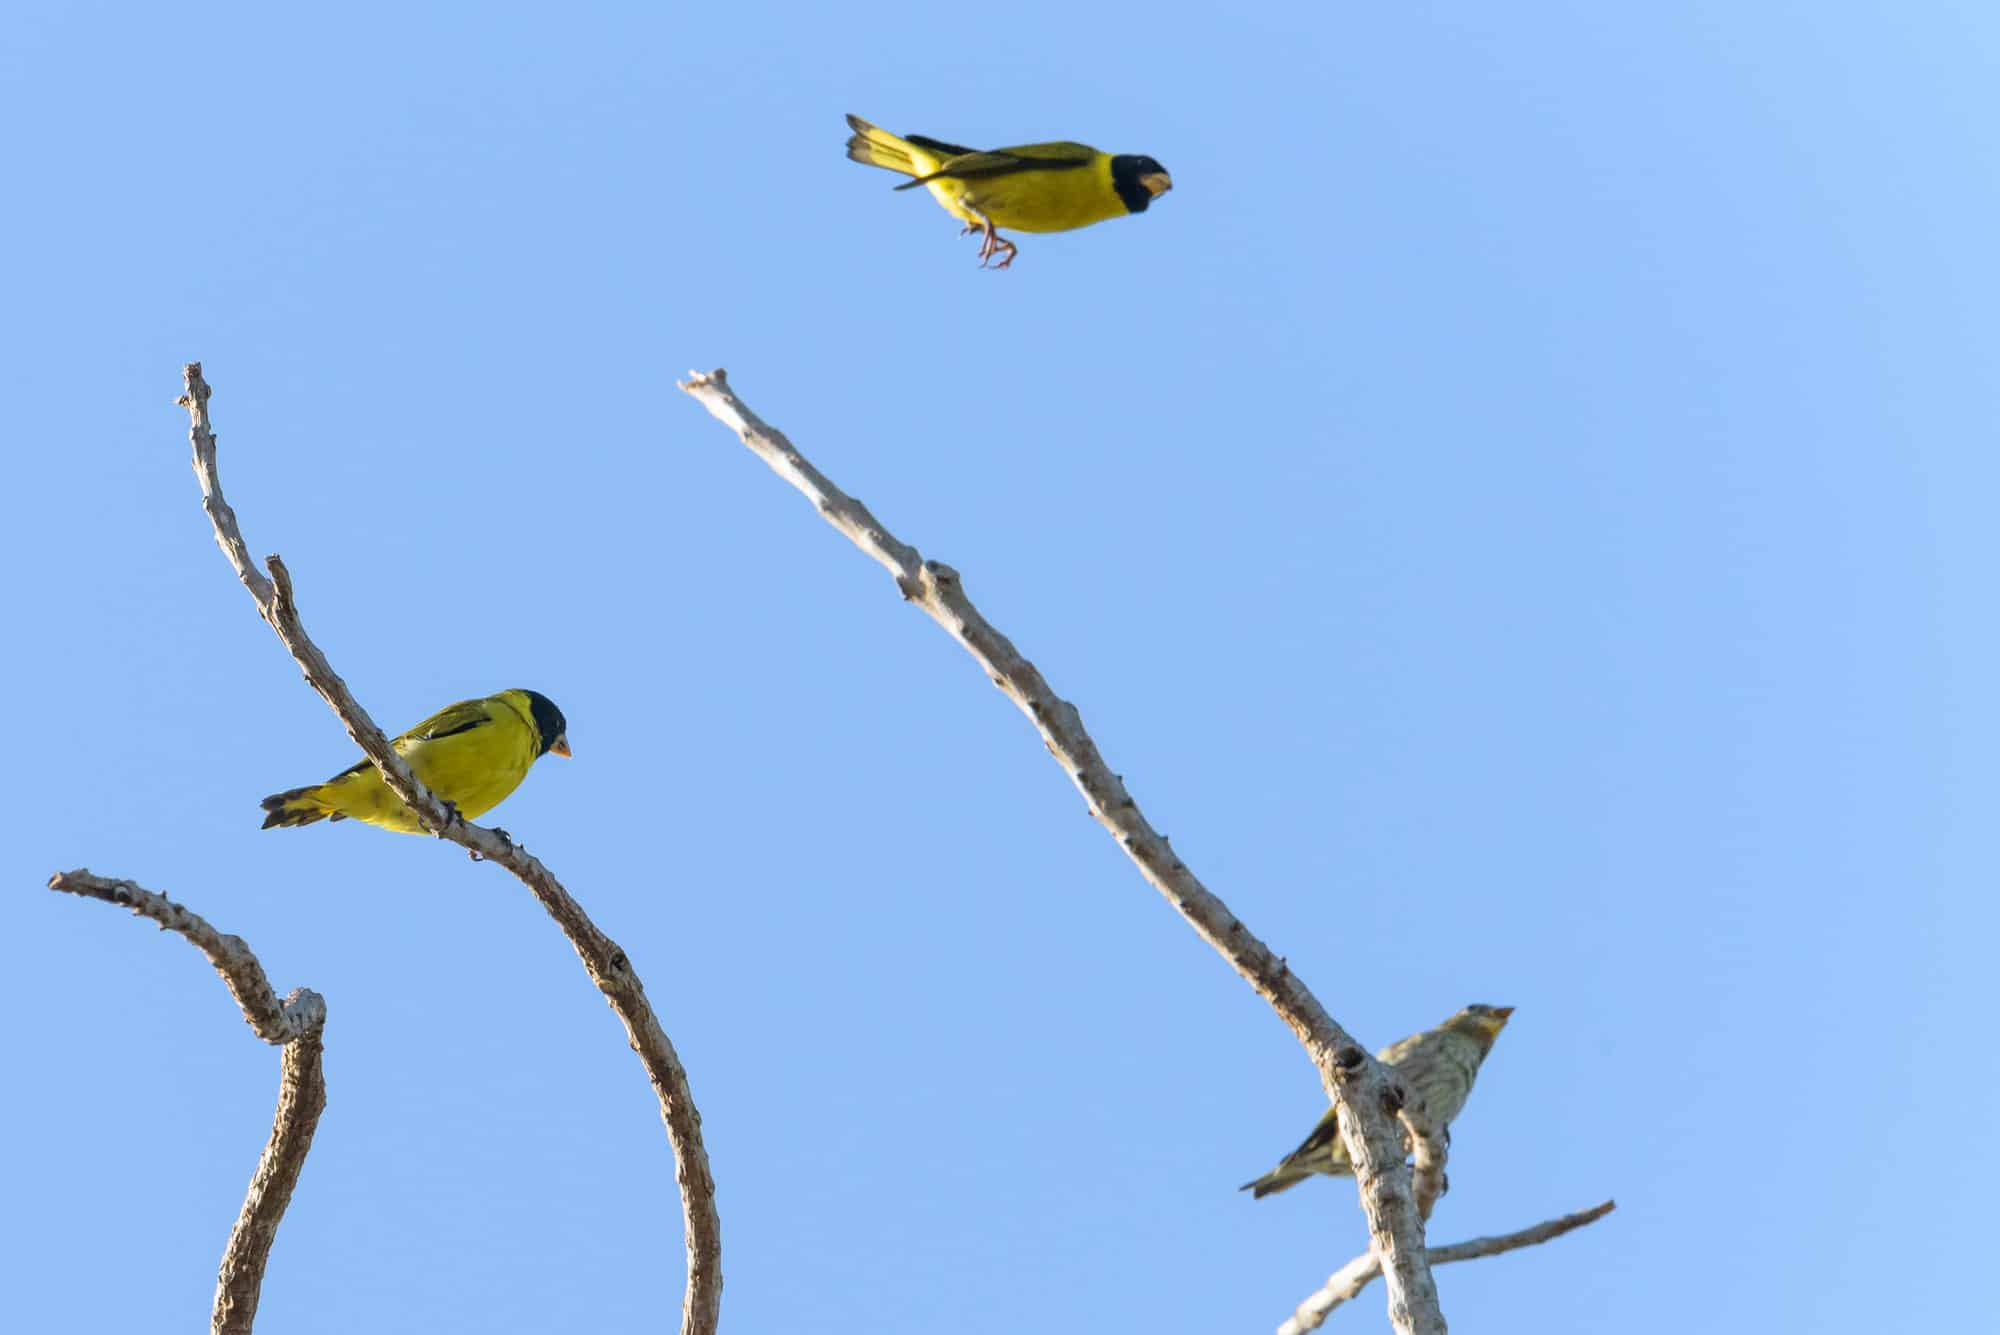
x=1348, y=1281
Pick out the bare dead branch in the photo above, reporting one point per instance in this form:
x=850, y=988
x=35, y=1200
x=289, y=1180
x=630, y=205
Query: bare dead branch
x=272, y=1020
x=606, y=963
x=296, y=1025
x=1352, y=1278
x=1374, y=1139
x=301, y=1099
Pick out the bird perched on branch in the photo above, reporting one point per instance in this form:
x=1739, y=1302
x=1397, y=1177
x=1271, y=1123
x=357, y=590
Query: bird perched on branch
x=471, y=754
x=1438, y=1065
x=1030, y=188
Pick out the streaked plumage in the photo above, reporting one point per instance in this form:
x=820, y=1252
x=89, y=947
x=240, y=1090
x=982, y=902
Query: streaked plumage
x=1051, y=187
x=1439, y=1065
x=471, y=754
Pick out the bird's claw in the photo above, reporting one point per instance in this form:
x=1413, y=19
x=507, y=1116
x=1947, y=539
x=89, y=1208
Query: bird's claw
x=995, y=244
x=991, y=243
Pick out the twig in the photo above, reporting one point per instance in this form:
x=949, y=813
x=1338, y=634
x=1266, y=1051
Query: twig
x=1356, y=1275
x=294, y=1024
x=603, y=959
x=1373, y=1138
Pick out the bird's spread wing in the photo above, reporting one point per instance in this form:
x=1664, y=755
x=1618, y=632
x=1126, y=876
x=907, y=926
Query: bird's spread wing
x=1060, y=156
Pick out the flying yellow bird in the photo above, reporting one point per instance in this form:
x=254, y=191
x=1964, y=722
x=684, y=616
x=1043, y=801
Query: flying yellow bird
x=1030, y=188
x=1438, y=1065
x=471, y=754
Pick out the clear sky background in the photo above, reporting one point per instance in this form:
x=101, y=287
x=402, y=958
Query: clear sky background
x=1520, y=514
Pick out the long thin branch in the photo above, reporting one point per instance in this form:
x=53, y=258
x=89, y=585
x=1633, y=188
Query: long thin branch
x=606, y=963
x=1370, y=1131
x=1352, y=1278
x=296, y=1025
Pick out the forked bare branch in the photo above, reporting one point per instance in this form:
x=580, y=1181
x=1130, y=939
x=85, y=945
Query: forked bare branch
x=1352, y=1278
x=1369, y=1128
x=295, y=1025
x=606, y=963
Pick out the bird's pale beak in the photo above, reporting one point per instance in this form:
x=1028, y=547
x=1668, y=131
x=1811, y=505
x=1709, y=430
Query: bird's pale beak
x=1499, y=1012
x=1157, y=183
x=560, y=746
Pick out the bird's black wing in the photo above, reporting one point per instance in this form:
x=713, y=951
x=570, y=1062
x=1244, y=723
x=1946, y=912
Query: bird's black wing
x=1322, y=1135
x=940, y=147
x=451, y=720
x=447, y=722
x=1009, y=162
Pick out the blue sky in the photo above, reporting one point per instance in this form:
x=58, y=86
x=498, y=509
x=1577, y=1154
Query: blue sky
x=1519, y=514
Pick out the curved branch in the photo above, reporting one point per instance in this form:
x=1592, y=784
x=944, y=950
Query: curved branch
x=294, y=1024
x=606, y=963
x=1352, y=1278
x=1374, y=1140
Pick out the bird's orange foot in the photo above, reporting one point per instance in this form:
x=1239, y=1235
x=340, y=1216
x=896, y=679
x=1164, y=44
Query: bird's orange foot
x=992, y=243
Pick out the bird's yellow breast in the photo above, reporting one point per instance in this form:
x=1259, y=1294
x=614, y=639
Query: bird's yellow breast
x=475, y=770
x=480, y=771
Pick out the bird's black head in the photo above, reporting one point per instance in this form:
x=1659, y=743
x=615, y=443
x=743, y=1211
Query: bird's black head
x=1137, y=179
x=549, y=722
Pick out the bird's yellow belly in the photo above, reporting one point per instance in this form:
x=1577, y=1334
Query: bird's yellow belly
x=471, y=778
x=476, y=789
x=1053, y=201
x=946, y=193
x=366, y=798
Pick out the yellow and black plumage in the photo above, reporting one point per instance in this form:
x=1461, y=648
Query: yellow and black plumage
x=1050, y=187
x=471, y=754
x=1439, y=1066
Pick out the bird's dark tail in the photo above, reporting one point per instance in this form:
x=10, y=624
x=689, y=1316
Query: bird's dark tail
x=1277, y=1180
x=1319, y=1152
x=295, y=806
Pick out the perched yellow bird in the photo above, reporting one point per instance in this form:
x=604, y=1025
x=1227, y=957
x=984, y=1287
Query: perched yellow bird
x=1438, y=1065
x=1030, y=188
x=471, y=754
